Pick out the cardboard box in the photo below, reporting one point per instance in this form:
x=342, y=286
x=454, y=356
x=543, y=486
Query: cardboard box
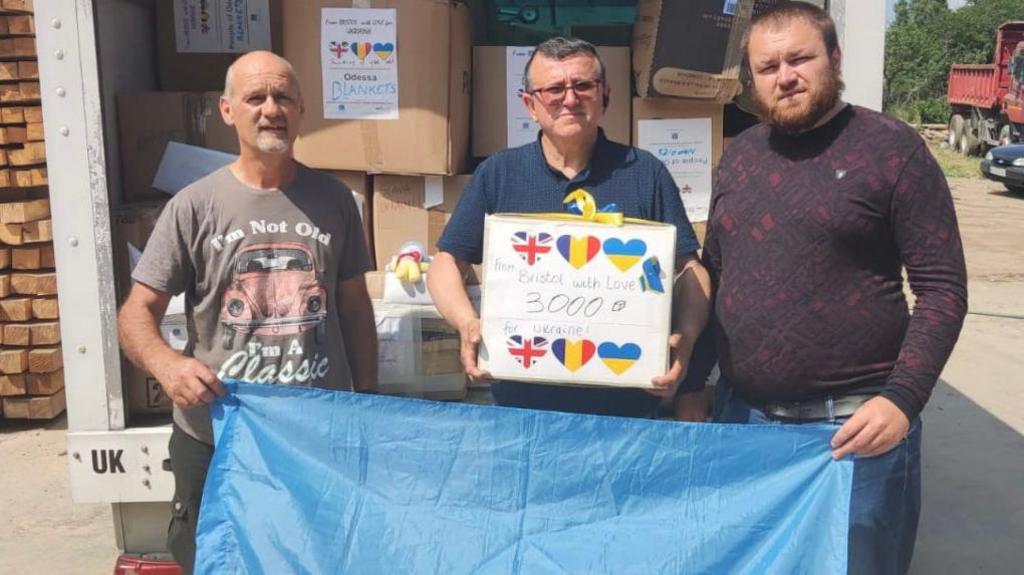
x=143, y=394
x=132, y=224
x=431, y=132
x=188, y=118
x=576, y=302
x=418, y=353
x=687, y=135
x=497, y=81
x=689, y=49
x=411, y=209
x=142, y=390
x=361, y=185
x=195, y=48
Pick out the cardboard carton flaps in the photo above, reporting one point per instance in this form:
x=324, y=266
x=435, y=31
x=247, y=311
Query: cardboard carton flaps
x=702, y=63
x=430, y=134
x=185, y=117
x=411, y=208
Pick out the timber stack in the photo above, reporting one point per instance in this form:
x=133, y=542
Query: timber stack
x=31, y=366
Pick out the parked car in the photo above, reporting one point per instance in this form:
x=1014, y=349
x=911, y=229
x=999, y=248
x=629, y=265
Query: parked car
x=1005, y=164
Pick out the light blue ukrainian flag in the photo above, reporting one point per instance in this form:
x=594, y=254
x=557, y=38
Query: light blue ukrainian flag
x=316, y=481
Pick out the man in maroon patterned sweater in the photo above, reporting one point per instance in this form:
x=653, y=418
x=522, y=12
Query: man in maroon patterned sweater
x=815, y=213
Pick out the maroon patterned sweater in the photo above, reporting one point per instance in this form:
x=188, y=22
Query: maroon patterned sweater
x=806, y=240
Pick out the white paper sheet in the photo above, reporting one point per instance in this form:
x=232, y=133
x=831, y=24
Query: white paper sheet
x=182, y=165
x=396, y=350
x=359, y=61
x=576, y=302
x=684, y=146
x=221, y=26
x=433, y=191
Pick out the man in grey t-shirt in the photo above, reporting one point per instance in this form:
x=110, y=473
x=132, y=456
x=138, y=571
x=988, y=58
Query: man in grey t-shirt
x=270, y=256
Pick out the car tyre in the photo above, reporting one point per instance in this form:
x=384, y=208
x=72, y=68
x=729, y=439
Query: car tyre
x=1015, y=189
x=956, y=129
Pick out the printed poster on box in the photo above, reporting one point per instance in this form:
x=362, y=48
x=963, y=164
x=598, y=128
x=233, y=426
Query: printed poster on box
x=576, y=302
x=359, y=61
x=521, y=127
x=221, y=26
x=684, y=146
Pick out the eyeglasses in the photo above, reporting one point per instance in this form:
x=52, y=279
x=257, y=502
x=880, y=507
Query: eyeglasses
x=584, y=90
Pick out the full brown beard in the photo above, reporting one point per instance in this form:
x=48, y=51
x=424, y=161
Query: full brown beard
x=794, y=119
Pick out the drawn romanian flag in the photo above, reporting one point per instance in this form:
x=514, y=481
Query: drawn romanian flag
x=573, y=354
x=578, y=250
x=362, y=49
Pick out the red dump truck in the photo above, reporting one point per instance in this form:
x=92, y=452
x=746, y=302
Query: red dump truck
x=988, y=99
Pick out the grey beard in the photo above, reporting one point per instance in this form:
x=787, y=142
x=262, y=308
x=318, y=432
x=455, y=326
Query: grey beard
x=271, y=144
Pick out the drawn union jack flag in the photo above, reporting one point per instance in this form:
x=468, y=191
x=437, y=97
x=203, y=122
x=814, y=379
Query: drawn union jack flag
x=530, y=247
x=527, y=350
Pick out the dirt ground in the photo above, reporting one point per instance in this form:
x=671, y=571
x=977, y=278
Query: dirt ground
x=973, y=517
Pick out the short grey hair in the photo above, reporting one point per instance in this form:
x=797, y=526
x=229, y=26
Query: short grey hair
x=229, y=76
x=561, y=48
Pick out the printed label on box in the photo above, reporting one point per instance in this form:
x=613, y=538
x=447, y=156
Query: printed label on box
x=221, y=26
x=359, y=60
x=684, y=146
x=396, y=356
x=576, y=302
x=521, y=128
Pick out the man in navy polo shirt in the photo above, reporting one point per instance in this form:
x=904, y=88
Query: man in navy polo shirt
x=566, y=92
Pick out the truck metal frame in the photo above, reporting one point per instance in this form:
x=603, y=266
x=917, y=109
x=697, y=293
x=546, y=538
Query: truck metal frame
x=88, y=51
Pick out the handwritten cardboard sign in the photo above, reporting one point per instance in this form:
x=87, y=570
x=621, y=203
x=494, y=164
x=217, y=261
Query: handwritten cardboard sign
x=576, y=302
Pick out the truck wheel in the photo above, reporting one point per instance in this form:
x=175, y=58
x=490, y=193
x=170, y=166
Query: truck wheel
x=1005, y=135
x=1015, y=189
x=969, y=143
x=956, y=129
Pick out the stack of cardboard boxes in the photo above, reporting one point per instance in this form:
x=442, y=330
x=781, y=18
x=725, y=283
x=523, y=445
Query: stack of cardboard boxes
x=390, y=87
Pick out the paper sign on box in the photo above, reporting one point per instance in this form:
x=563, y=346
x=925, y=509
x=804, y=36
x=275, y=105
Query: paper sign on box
x=684, y=146
x=576, y=302
x=221, y=26
x=360, y=63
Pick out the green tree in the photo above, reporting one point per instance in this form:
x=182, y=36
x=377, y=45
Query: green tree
x=916, y=60
x=925, y=39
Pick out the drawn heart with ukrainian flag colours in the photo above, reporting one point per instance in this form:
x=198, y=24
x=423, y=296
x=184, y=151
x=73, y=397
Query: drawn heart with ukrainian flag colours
x=624, y=255
x=383, y=50
x=578, y=250
x=618, y=358
x=361, y=49
x=573, y=354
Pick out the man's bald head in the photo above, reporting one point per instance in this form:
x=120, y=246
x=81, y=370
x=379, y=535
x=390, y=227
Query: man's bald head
x=263, y=103
x=257, y=62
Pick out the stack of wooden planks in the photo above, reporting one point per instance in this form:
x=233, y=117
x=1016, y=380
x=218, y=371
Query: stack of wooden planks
x=31, y=366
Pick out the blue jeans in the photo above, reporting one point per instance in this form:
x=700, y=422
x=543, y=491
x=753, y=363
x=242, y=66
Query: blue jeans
x=886, y=499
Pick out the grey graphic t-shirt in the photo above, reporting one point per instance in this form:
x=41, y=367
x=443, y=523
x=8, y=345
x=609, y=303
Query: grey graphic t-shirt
x=260, y=272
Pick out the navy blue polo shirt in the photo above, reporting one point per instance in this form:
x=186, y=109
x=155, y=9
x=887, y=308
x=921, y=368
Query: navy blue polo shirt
x=519, y=180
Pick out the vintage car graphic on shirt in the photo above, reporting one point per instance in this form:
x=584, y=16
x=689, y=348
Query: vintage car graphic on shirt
x=276, y=289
